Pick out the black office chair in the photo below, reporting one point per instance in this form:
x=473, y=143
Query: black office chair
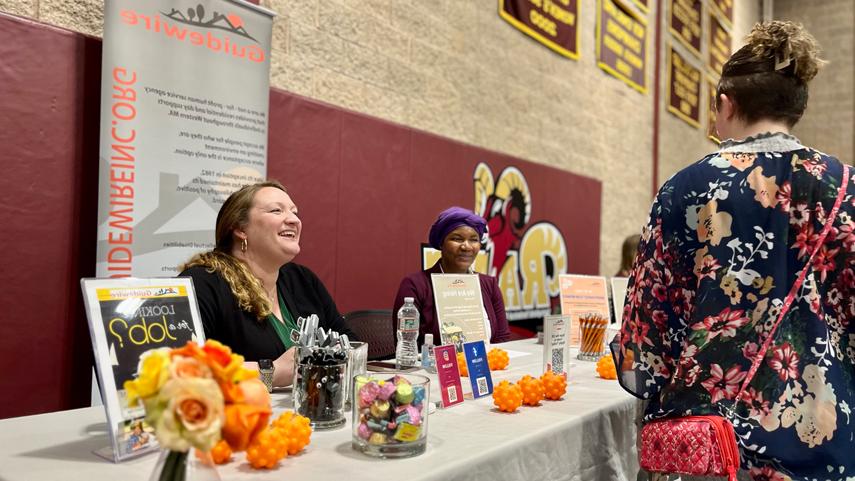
x=376, y=327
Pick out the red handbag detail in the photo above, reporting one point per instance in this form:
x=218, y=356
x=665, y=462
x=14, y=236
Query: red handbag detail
x=706, y=445
x=696, y=445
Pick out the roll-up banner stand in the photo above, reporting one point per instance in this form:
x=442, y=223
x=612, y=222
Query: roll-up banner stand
x=184, y=113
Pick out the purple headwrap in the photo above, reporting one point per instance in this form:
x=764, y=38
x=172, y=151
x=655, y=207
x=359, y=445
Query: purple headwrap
x=451, y=219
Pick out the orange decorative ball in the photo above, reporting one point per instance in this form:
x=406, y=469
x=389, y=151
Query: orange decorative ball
x=461, y=364
x=267, y=449
x=497, y=359
x=296, y=430
x=606, y=368
x=221, y=453
x=532, y=390
x=507, y=397
x=554, y=386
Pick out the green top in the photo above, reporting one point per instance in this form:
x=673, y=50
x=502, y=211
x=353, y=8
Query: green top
x=283, y=329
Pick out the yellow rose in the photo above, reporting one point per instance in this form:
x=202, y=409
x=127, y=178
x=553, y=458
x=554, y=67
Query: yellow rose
x=153, y=373
x=193, y=414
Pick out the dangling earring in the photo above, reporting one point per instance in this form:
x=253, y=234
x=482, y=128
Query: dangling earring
x=243, y=245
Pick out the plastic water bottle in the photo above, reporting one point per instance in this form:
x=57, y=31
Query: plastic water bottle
x=407, y=351
x=428, y=357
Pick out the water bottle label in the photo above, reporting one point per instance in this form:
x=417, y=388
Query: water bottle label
x=409, y=324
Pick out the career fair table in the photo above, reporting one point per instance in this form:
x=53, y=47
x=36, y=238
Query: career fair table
x=588, y=435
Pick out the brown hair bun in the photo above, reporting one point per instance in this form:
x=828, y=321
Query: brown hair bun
x=788, y=43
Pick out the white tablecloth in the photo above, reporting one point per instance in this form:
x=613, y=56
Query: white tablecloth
x=589, y=435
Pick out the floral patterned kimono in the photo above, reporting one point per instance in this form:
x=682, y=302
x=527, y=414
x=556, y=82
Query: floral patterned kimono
x=726, y=239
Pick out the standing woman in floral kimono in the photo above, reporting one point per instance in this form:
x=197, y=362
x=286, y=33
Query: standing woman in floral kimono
x=726, y=240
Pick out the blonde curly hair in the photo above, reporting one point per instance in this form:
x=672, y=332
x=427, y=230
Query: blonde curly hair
x=234, y=214
x=768, y=77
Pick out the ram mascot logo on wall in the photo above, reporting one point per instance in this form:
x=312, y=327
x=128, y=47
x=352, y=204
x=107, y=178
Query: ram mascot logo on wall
x=526, y=258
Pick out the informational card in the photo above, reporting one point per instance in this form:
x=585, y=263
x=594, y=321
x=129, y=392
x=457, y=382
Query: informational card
x=449, y=375
x=479, y=368
x=619, y=286
x=459, y=308
x=556, y=351
x=583, y=298
x=128, y=317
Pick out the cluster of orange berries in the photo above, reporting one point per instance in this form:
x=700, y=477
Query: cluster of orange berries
x=606, y=368
x=497, y=359
x=508, y=397
x=287, y=434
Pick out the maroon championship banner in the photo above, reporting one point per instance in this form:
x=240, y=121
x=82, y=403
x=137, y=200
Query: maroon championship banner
x=684, y=88
x=712, y=134
x=719, y=48
x=553, y=23
x=684, y=22
x=725, y=9
x=622, y=43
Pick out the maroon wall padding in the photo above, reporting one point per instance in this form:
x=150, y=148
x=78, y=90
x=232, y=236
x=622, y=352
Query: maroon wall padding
x=368, y=191
x=49, y=98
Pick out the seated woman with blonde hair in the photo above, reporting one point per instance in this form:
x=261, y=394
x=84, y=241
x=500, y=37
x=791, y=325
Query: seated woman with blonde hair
x=250, y=294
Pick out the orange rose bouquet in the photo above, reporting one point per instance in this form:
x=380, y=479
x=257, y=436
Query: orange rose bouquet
x=194, y=396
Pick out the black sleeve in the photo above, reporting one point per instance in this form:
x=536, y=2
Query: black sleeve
x=309, y=291
x=206, y=286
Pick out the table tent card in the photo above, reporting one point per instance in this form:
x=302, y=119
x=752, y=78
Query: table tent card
x=556, y=351
x=584, y=299
x=479, y=370
x=459, y=309
x=127, y=317
x=619, y=286
x=448, y=374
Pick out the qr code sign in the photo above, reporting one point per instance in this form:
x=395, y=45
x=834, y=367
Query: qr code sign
x=452, y=394
x=482, y=386
x=558, y=361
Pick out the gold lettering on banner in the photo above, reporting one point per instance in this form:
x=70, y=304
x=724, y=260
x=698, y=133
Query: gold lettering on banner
x=558, y=13
x=551, y=22
x=624, y=36
x=684, y=83
x=544, y=23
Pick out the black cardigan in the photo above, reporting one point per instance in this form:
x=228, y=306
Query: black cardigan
x=255, y=339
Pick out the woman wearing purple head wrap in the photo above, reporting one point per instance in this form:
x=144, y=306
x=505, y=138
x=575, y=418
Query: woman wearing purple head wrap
x=457, y=234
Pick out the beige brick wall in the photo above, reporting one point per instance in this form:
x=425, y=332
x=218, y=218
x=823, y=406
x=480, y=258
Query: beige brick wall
x=454, y=68
x=681, y=144
x=829, y=123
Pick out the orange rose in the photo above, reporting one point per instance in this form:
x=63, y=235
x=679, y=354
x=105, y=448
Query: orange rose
x=187, y=367
x=243, y=423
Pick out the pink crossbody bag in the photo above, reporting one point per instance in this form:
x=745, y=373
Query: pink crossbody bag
x=706, y=445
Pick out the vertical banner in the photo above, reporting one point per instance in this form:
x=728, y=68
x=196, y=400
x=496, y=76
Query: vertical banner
x=684, y=88
x=712, y=133
x=719, y=47
x=622, y=43
x=725, y=9
x=553, y=23
x=685, y=23
x=184, y=99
